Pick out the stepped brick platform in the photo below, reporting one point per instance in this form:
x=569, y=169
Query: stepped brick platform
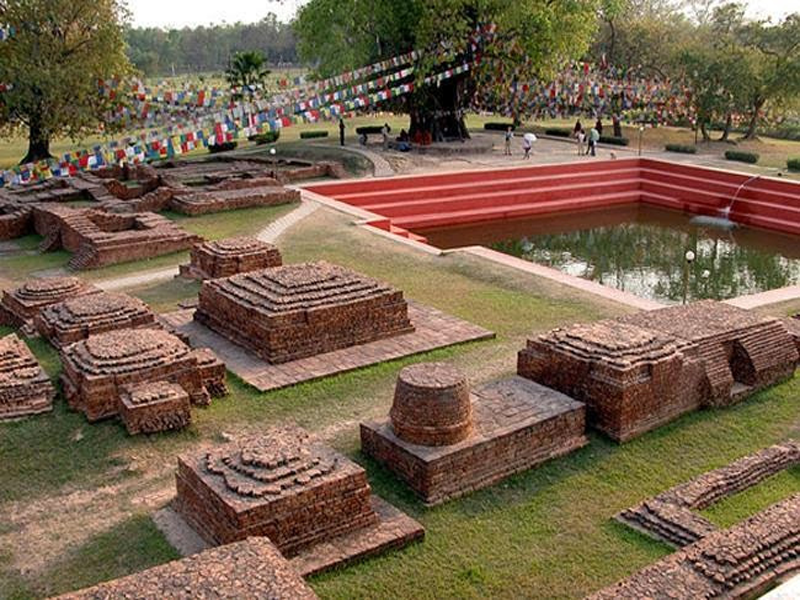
x=99, y=238
x=249, y=569
x=631, y=379
x=741, y=350
x=19, y=307
x=15, y=219
x=25, y=389
x=670, y=516
x=76, y=319
x=432, y=329
x=740, y=562
x=287, y=313
x=224, y=258
x=417, y=203
x=97, y=369
x=463, y=443
x=154, y=407
x=189, y=202
x=285, y=486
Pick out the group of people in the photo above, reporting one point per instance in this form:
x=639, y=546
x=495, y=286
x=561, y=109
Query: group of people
x=527, y=142
x=590, y=140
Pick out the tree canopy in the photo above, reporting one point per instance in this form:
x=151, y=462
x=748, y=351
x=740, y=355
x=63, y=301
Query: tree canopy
x=59, y=51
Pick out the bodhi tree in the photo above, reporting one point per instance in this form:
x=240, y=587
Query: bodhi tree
x=533, y=39
x=58, y=52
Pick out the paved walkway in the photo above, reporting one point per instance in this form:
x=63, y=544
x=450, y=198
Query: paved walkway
x=270, y=234
x=784, y=294
x=382, y=166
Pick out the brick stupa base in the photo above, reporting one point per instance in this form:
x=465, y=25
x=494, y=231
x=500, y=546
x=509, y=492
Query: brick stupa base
x=19, y=307
x=224, y=258
x=290, y=488
x=154, y=407
x=25, y=389
x=444, y=444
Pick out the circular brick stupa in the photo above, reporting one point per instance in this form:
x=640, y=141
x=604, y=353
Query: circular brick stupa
x=432, y=405
x=20, y=306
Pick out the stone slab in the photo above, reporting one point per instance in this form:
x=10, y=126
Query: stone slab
x=433, y=329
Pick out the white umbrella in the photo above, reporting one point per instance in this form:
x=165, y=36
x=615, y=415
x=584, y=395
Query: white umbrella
x=530, y=137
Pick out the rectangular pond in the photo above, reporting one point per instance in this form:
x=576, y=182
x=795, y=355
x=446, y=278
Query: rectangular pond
x=640, y=249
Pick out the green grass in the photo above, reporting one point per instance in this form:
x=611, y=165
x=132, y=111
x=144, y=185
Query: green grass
x=544, y=533
x=733, y=509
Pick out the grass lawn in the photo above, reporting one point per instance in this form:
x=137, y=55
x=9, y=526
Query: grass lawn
x=78, y=496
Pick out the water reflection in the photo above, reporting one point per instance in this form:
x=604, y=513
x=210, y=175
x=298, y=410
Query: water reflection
x=641, y=250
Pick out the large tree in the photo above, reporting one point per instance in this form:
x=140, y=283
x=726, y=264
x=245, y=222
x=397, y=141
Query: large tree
x=533, y=39
x=59, y=51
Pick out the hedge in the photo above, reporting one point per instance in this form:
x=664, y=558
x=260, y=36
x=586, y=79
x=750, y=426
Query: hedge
x=495, y=126
x=269, y=137
x=793, y=164
x=307, y=135
x=615, y=141
x=226, y=147
x=745, y=157
x=371, y=130
x=558, y=132
x=681, y=148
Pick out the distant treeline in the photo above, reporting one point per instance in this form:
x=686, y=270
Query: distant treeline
x=202, y=49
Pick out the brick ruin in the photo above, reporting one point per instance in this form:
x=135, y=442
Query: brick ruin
x=638, y=372
x=153, y=407
x=193, y=202
x=98, y=369
x=249, y=569
x=631, y=379
x=296, y=311
x=15, y=219
x=671, y=516
x=223, y=258
x=19, y=307
x=793, y=325
x=76, y=319
x=284, y=485
x=25, y=389
x=99, y=238
x=741, y=562
x=230, y=170
x=444, y=441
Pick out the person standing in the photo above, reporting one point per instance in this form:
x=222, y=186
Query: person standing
x=580, y=138
x=599, y=125
x=594, y=137
x=509, y=137
x=385, y=134
x=527, y=144
x=577, y=129
x=341, y=131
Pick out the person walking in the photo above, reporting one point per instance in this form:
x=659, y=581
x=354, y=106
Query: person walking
x=594, y=137
x=527, y=144
x=509, y=137
x=341, y=131
x=580, y=138
x=577, y=129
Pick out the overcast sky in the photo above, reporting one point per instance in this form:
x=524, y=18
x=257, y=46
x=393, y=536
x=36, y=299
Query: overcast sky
x=180, y=13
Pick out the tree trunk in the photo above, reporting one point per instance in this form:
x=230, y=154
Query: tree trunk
x=38, y=143
x=752, y=128
x=438, y=113
x=704, y=131
x=727, y=131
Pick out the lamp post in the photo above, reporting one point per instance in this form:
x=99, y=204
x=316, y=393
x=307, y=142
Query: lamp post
x=272, y=153
x=689, y=256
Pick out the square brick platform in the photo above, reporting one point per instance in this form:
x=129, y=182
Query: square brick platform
x=517, y=424
x=433, y=329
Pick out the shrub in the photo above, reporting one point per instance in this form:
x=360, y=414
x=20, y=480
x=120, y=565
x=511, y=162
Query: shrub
x=681, y=148
x=225, y=147
x=269, y=137
x=370, y=130
x=745, y=157
x=496, y=126
x=309, y=135
x=558, y=132
x=615, y=141
x=793, y=164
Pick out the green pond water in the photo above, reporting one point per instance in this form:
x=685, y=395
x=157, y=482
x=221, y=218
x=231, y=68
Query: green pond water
x=641, y=250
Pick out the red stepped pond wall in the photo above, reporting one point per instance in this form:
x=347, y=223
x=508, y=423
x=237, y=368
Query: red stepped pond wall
x=405, y=204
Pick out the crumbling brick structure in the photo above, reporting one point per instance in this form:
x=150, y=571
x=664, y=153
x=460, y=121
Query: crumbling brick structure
x=97, y=369
x=249, y=569
x=76, y=319
x=190, y=202
x=282, y=485
x=19, y=307
x=15, y=219
x=671, y=516
x=154, y=407
x=223, y=258
x=631, y=379
x=25, y=389
x=296, y=311
x=740, y=562
x=741, y=350
x=444, y=442
x=99, y=238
